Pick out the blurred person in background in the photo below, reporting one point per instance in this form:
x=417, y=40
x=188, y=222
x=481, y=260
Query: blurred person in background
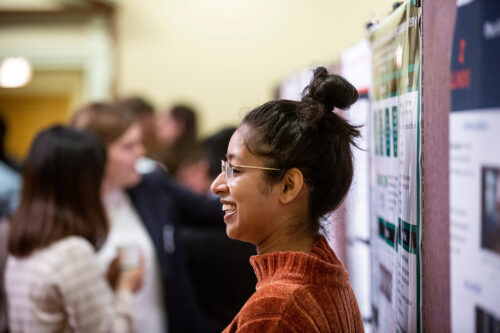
x=10, y=178
x=288, y=165
x=4, y=157
x=10, y=181
x=53, y=280
x=4, y=231
x=198, y=172
x=145, y=210
x=87, y=112
x=10, y=187
x=122, y=139
x=177, y=135
x=144, y=113
x=214, y=150
x=218, y=266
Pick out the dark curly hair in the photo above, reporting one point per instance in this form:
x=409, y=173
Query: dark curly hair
x=308, y=135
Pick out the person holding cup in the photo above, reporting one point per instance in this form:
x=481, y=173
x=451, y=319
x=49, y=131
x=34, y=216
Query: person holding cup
x=123, y=141
x=53, y=280
x=144, y=212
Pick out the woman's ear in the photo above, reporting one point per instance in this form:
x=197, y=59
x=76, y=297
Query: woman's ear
x=291, y=185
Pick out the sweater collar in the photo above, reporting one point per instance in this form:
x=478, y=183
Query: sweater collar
x=320, y=266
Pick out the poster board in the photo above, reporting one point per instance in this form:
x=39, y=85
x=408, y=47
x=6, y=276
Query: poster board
x=395, y=217
x=475, y=168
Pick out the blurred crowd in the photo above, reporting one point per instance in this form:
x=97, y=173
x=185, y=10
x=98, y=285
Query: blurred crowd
x=115, y=231
x=162, y=261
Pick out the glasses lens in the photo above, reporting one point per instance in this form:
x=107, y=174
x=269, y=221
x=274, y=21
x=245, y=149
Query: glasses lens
x=228, y=171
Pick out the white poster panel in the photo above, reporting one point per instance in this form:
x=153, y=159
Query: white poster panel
x=475, y=220
x=293, y=85
x=356, y=68
x=395, y=171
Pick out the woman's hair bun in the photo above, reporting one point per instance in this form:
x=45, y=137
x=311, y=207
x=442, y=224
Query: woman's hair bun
x=330, y=90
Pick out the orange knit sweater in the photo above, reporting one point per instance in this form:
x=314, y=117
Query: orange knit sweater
x=300, y=292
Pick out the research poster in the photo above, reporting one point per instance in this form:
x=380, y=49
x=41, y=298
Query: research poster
x=475, y=168
x=356, y=67
x=293, y=85
x=395, y=183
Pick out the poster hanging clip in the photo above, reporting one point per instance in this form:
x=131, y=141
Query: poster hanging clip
x=371, y=23
x=395, y=5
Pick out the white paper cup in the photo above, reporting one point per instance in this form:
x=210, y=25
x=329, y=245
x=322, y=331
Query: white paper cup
x=130, y=256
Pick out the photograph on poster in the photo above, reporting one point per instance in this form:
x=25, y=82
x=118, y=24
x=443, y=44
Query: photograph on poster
x=490, y=211
x=386, y=283
x=486, y=322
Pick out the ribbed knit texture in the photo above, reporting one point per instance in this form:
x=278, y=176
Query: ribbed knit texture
x=300, y=292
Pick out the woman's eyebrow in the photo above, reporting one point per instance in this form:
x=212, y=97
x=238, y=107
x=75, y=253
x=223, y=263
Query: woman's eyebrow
x=232, y=157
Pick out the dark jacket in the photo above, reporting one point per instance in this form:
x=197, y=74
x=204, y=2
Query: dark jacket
x=220, y=271
x=163, y=205
x=207, y=277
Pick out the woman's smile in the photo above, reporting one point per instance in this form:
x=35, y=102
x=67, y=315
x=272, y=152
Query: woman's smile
x=229, y=209
x=248, y=208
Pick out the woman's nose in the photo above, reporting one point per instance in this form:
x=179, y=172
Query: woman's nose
x=219, y=186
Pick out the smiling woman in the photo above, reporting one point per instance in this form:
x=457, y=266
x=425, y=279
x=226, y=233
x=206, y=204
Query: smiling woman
x=146, y=211
x=289, y=164
x=121, y=136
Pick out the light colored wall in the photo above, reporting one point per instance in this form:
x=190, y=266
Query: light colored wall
x=224, y=57
x=227, y=56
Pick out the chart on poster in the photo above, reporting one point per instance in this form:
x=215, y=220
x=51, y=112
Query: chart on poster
x=475, y=168
x=395, y=174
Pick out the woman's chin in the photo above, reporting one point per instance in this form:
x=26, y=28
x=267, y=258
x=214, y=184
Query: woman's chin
x=232, y=232
x=132, y=181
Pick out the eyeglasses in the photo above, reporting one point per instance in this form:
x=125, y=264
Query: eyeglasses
x=228, y=169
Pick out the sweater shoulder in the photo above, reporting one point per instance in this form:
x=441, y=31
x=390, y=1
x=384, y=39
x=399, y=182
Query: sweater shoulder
x=268, y=306
x=327, y=308
x=271, y=298
x=288, y=307
x=263, y=312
